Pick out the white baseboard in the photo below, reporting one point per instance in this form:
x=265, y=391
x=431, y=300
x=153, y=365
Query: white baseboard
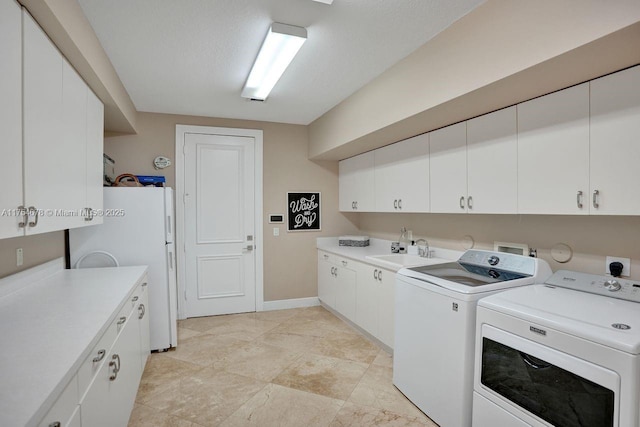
x=284, y=304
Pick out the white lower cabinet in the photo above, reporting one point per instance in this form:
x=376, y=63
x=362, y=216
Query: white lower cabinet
x=110, y=397
x=103, y=391
x=386, y=306
x=375, y=302
x=337, y=283
x=367, y=291
x=362, y=293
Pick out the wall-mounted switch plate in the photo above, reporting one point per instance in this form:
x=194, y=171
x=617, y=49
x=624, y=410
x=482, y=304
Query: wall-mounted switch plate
x=19, y=257
x=276, y=231
x=626, y=262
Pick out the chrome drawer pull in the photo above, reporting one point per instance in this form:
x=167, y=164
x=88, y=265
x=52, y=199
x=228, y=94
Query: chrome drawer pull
x=595, y=199
x=142, y=310
x=115, y=364
x=579, y=199
x=462, y=202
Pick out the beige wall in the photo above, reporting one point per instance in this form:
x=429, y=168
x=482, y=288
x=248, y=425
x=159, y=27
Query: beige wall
x=290, y=260
x=592, y=238
x=501, y=53
x=36, y=250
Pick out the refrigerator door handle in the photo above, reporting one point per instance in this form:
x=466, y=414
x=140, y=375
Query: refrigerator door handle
x=169, y=224
x=171, y=260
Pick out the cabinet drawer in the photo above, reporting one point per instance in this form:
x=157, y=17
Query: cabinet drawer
x=336, y=260
x=63, y=410
x=97, y=358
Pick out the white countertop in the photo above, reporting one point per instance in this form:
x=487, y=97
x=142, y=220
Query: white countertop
x=48, y=327
x=376, y=247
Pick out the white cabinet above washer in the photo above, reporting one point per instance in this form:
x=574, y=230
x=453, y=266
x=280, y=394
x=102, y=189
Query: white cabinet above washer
x=615, y=145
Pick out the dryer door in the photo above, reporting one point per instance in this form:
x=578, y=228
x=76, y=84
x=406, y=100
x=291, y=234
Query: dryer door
x=550, y=385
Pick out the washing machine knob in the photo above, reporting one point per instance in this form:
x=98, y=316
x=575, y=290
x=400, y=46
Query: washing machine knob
x=612, y=285
x=493, y=260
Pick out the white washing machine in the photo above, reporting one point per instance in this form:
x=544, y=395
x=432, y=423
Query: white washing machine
x=435, y=319
x=564, y=353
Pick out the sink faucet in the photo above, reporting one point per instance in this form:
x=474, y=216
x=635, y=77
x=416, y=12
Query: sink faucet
x=423, y=251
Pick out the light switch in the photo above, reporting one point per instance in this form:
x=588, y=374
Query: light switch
x=276, y=231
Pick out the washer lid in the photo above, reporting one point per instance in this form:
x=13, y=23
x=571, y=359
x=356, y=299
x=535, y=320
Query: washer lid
x=581, y=314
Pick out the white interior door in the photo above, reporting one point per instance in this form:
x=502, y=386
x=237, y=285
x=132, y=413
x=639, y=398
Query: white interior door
x=219, y=224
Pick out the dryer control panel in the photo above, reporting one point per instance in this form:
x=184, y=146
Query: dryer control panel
x=608, y=286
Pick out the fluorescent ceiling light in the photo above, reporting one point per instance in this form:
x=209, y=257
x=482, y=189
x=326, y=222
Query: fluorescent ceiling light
x=277, y=51
x=324, y=1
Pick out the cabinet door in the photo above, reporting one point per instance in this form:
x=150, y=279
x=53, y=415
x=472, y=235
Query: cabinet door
x=345, y=292
x=10, y=118
x=94, y=162
x=326, y=282
x=367, y=290
x=448, y=164
x=142, y=310
x=553, y=153
x=356, y=187
x=401, y=172
x=615, y=145
x=492, y=163
x=109, y=402
x=70, y=177
x=386, y=307
x=44, y=161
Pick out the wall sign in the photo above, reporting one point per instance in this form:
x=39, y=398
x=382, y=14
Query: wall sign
x=303, y=211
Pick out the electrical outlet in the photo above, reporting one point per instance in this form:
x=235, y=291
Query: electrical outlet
x=626, y=262
x=276, y=231
x=19, y=257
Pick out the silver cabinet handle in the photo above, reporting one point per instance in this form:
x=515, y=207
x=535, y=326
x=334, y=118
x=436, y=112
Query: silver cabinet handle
x=100, y=356
x=55, y=424
x=144, y=284
x=34, y=211
x=115, y=365
x=121, y=322
x=596, y=193
x=395, y=204
x=142, y=311
x=326, y=256
x=380, y=275
x=134, y=299
x=579, y=199
x=344, y=263
x=462, y=202
x=25, y=216
x=353, y=205
x=470, y=202
x=399, y=203
x=375, y=274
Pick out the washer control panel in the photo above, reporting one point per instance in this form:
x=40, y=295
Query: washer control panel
x=500, y=260
x=601, y=285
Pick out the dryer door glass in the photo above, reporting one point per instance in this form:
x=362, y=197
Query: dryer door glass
x=556, y=395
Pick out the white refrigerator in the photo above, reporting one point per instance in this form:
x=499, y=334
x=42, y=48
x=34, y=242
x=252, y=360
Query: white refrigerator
x=137, y=230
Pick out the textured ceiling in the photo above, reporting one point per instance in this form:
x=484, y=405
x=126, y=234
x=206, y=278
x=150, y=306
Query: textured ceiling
x=193, y=56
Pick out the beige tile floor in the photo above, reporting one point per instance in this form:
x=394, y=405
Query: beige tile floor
x=300, y=368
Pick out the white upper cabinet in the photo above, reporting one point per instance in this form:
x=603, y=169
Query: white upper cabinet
x=401, y=173
x=94, y=162
x=448, y=169
x=356, y=184
x=615, y=144
x=62, y=138
x=43, y=126
x=553, y=153
x=492, y=163
x=10, y=118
